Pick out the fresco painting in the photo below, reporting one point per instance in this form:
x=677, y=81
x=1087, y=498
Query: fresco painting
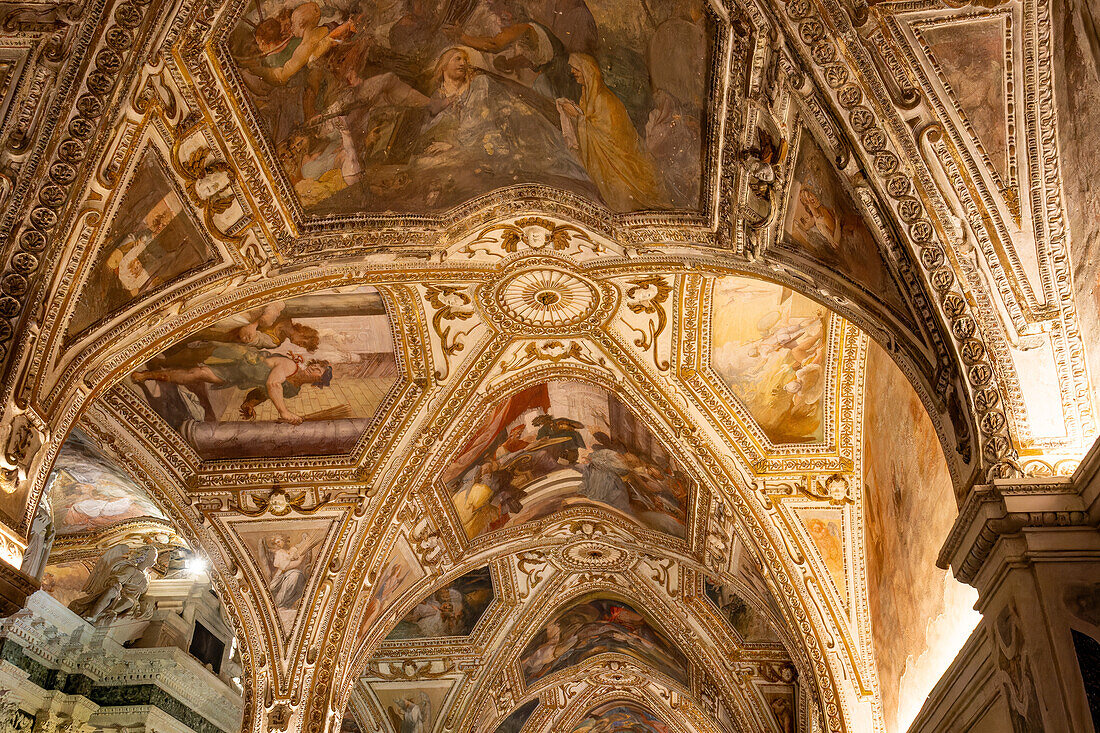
x=516, y=719
x=824, y=226
x=562, y=444
x=88, y=492
x=768, y=345
x=65, y=581
x=302, y=376
x=453, y=610
x=422, y=105
x=1076, y=62
x=750, y=625
x=970, y=57
x=922, y=614
x=286, y=553
x=398, y=573
x=597, y=626
x=783, y=710
x=826, y=530
x=151, y=241
x=412, y=707
x=619, y=717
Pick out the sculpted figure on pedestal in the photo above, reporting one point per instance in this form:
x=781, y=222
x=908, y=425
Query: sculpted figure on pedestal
x=117, y=585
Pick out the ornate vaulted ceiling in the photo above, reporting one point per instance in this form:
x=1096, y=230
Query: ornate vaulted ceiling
x=526, y=366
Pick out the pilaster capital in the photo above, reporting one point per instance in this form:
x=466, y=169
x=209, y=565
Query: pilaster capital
x=1026, y=519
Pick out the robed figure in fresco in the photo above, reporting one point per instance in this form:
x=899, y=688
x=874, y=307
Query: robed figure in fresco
x=608, y=144
x=421, y=105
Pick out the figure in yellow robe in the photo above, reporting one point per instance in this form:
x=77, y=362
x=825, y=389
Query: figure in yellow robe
x=608, y=144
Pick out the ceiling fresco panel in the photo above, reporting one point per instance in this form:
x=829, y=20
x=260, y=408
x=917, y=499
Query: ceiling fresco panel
x=413, y=707
x=516, y=719
x=598, y=626
x=768, y=344
x=152, y=241
x=453, y=610
x=286, y=553
x=743, y=618
x=621, y=717
x=302, y=376
x=825, y=528
x=87, y=492
x=563, y=444
x=420, y=107
x=824, y=225
x=970, y=57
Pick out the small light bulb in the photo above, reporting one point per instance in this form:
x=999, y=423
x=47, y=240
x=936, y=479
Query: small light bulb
x=196, y=565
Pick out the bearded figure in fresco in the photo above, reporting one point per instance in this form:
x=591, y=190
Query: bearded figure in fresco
x=117, y=585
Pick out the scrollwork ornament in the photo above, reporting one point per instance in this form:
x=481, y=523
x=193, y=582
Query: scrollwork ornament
x=648, y=295
x=450, y=303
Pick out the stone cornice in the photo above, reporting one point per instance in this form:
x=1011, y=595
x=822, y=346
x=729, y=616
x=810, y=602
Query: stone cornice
x=1010, y=507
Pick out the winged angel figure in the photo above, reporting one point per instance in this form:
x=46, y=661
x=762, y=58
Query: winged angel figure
x=117, y=586
x=410, y=715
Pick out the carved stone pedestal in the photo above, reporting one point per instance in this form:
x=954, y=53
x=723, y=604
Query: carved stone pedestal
x=1032, y=549
x=15, y=586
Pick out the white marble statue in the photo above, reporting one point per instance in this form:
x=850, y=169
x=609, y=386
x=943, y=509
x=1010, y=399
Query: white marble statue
x=117, y=585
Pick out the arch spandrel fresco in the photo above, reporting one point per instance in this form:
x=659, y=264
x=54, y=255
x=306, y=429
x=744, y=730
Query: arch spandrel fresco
x=419, y=107
x=297, y=377
x=451, y=611
x=565, y=444
x=624, y=716
x=152, y=241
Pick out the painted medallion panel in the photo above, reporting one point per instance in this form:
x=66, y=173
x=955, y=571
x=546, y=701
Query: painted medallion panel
x=302, y=376
x=453, y=610
x=421, y=105
x=87, y=492
x=152, y=240
x=768, y=345
x=597, y=626
x=621, y=717
x=563, y=444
